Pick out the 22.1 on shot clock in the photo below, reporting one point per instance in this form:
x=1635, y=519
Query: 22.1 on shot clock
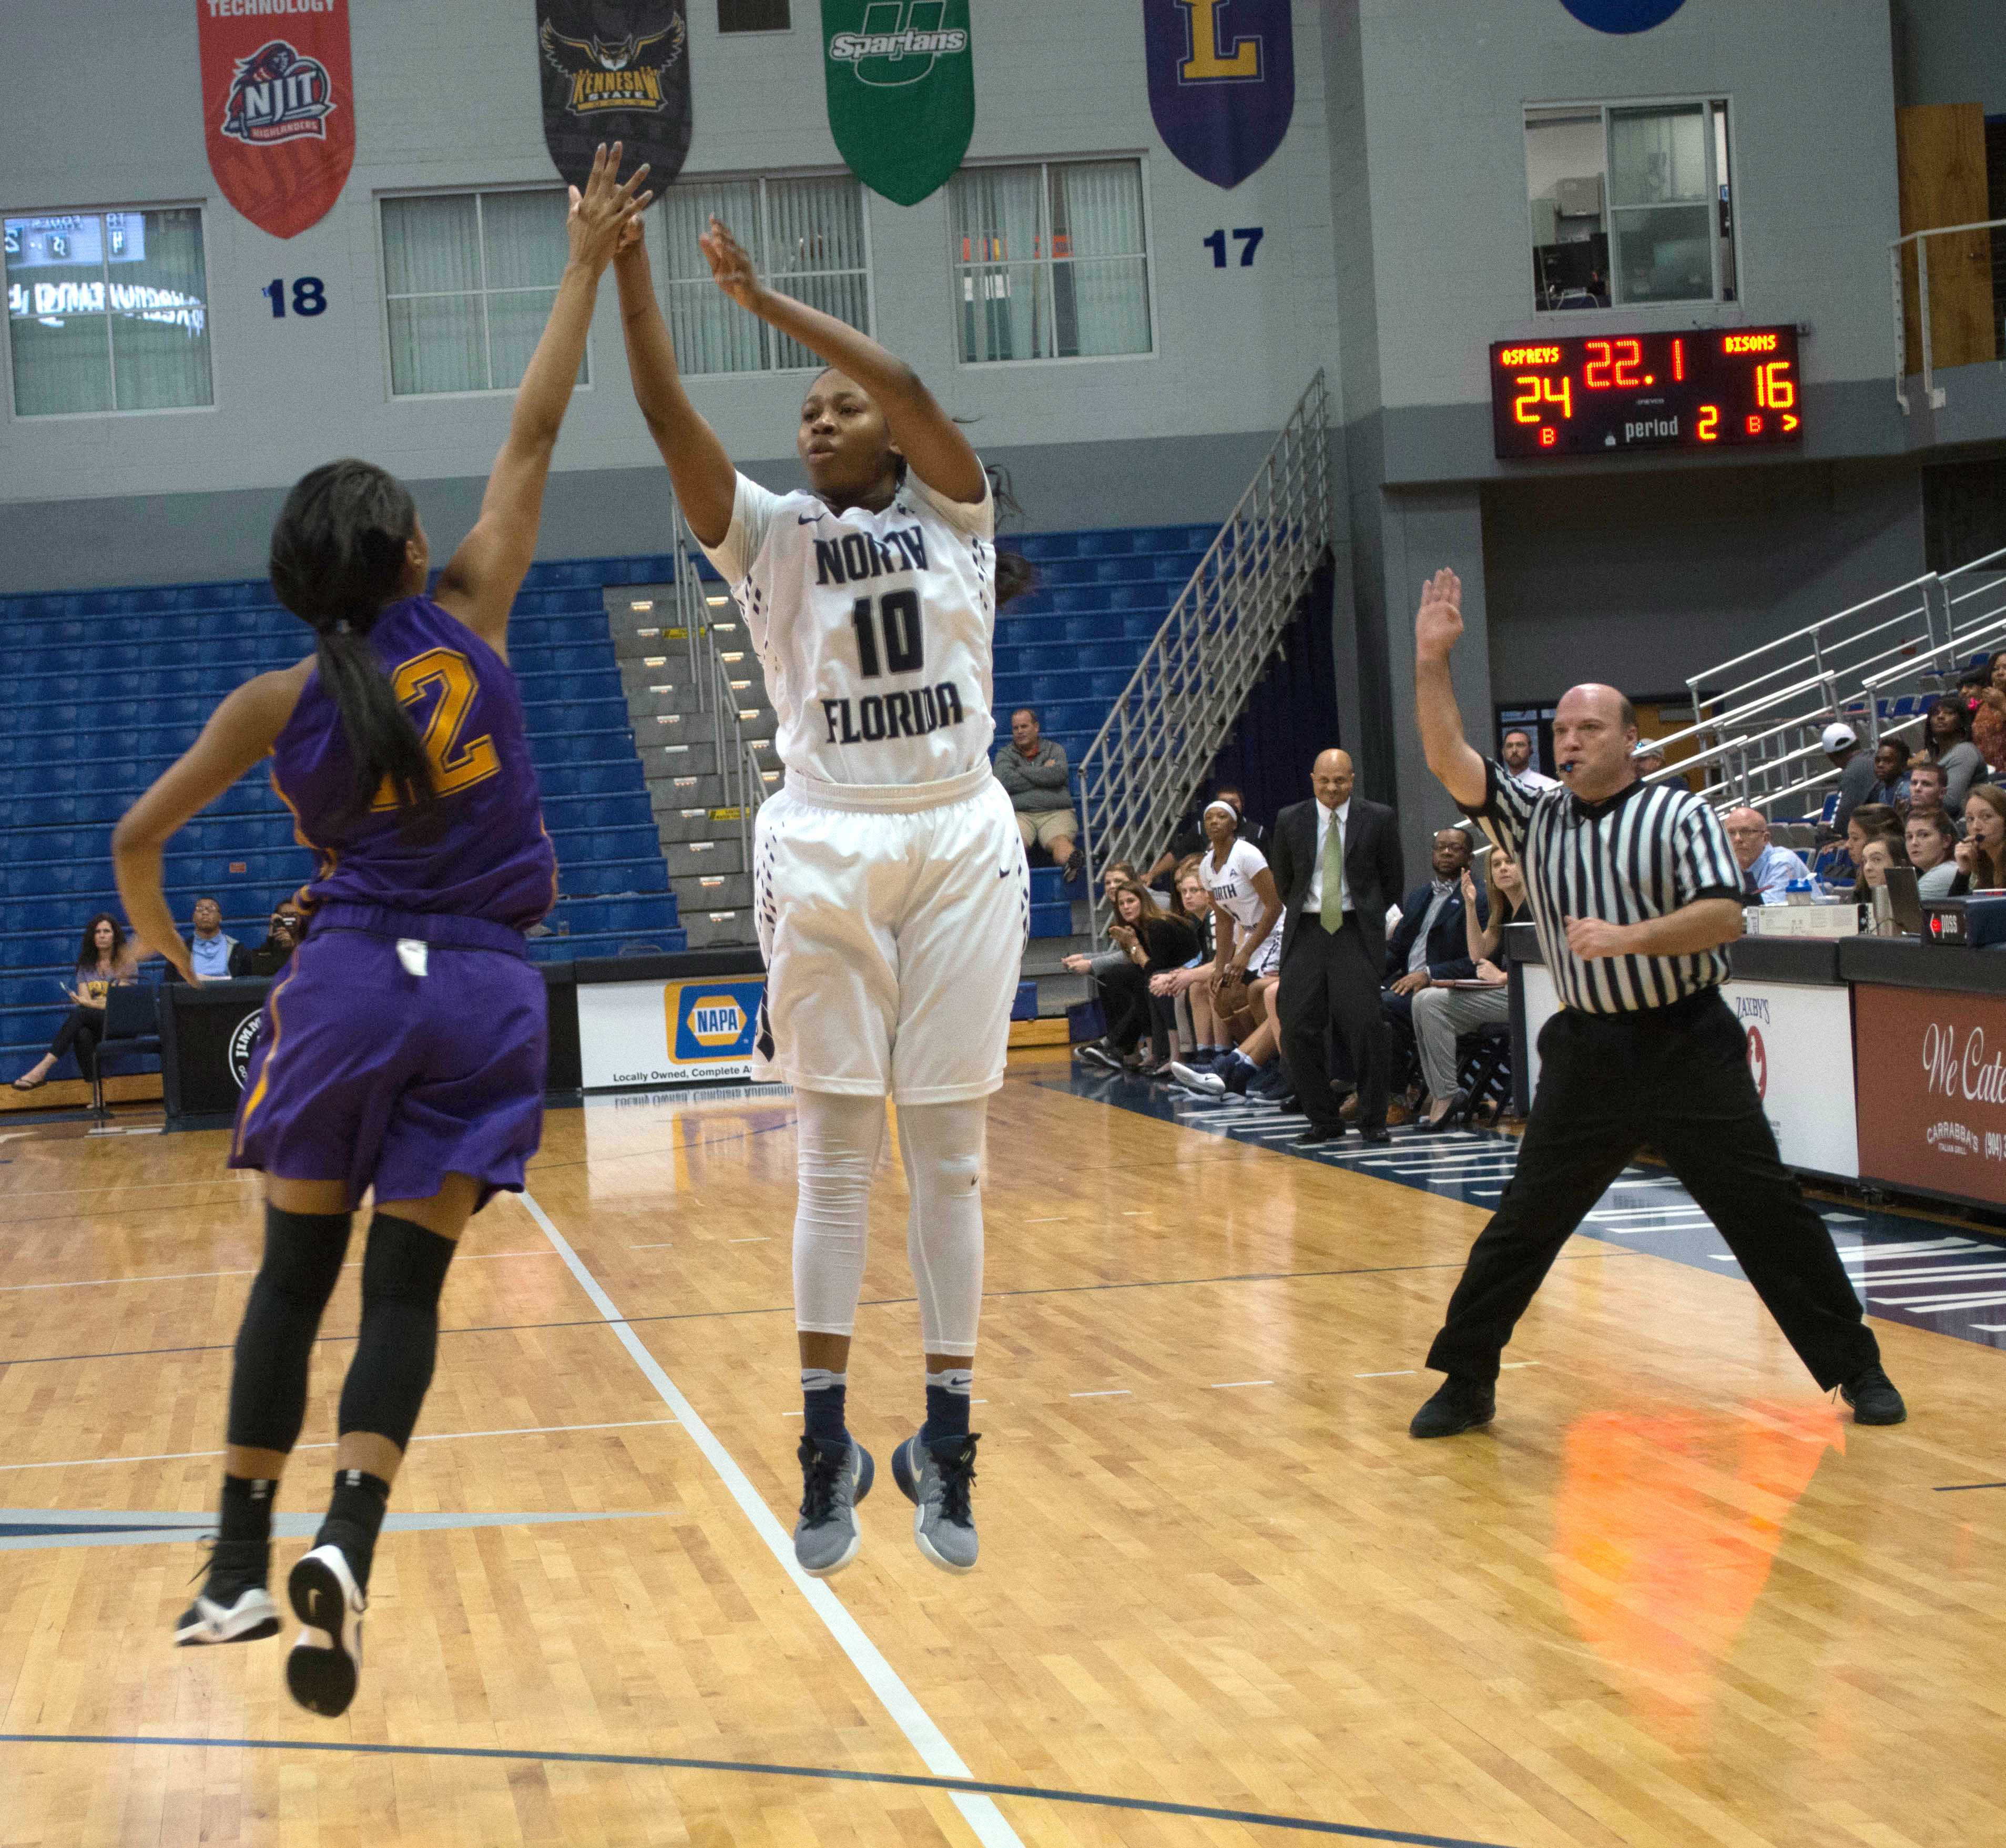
x=1701, y=389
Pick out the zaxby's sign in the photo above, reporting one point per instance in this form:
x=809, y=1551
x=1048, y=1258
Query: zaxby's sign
x=278, y=102
x=1933, y=1095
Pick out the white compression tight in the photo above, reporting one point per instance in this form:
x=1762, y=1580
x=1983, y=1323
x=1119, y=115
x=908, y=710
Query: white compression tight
x=839, y=1140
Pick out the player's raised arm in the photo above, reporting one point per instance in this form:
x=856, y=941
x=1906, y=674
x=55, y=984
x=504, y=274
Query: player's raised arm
x=930, y=440
x=480, y=582
x=706, y=484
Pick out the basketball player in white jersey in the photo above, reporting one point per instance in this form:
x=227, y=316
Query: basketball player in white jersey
x=889, y=881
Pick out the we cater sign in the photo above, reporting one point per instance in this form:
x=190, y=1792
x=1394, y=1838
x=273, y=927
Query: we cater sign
x=1933, y=1096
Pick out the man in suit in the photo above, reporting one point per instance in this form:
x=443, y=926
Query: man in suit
x=1430, y=944
x=1336, y=862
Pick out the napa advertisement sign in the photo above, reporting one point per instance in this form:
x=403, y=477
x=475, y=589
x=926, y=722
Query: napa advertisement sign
x=666, y=1032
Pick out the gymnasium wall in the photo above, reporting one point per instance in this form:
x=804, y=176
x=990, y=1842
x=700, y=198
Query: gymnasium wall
x=1950, y=51
x=447, y=97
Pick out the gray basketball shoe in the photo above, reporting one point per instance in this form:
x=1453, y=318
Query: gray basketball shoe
x=937, y=1479
x=833, y=1481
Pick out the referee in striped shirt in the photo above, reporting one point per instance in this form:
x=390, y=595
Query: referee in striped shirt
x=1635, y=892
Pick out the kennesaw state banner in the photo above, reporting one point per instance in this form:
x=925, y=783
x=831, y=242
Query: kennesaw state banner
x=615, y=70
x=278, y=101
x=1222, y=82
x=901, y=79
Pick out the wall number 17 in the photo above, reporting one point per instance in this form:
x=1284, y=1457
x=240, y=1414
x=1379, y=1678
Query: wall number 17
x=1249, y=237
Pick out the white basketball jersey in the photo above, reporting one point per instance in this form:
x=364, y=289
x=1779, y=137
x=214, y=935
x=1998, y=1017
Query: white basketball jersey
x=875, y=630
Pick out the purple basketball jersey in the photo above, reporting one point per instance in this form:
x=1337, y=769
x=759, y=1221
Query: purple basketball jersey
x=489, y=858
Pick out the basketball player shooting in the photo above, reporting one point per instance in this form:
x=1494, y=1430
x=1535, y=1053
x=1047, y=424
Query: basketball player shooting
x=890, y=885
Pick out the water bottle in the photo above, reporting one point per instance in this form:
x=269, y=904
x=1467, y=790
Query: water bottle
x=1800, y=891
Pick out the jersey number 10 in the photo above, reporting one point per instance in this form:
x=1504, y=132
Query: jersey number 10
x=898, y=613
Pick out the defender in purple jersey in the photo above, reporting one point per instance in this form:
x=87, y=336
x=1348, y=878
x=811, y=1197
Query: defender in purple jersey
x=404, y=1047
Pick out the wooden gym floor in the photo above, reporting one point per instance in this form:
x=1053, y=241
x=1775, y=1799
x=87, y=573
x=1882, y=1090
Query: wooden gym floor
x=1673, y=1597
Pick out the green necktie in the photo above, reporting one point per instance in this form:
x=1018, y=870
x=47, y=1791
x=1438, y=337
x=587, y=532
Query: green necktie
x=1333, y=912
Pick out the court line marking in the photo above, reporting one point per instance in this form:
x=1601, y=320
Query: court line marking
x=424, y=1437
x=1596, y=1252
x=1954, y=1488
x=191, y=1276
x=1108, y=1392
x=979, y=1811
x=956, y=1787
x=1223, y=1386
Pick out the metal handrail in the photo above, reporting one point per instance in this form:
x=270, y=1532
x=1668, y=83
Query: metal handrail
x=1145, y=764
x=1933, y=395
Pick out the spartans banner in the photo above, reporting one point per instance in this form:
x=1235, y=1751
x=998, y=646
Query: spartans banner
x=901, y=78
x=278, y=106
x=615, y=70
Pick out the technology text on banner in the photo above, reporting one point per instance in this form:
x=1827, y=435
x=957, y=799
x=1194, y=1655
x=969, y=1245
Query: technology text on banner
x=278, y=101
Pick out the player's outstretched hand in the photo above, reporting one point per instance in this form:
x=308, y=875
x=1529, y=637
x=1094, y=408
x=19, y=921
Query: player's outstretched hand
x=730, y=267
x=1438, y=624
x=601, y=214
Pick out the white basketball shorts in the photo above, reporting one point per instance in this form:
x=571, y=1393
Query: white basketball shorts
x=893, y=941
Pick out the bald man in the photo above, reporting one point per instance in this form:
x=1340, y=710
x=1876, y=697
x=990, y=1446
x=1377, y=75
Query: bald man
x=1336, y=863
x=1764, y=868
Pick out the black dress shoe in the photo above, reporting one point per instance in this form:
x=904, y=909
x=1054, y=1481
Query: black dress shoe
x=1462, y=1404
x=1314, y=1138
x=1458, y=1102
x=1381, y=1135
x=1874, y=1401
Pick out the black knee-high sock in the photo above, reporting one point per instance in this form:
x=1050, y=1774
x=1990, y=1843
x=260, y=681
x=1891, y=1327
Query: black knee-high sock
x=267, y=1384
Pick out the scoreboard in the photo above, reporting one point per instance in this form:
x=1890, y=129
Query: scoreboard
x=1700, y=389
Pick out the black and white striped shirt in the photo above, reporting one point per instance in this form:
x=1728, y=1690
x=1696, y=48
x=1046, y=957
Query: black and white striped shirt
x=1641, y=854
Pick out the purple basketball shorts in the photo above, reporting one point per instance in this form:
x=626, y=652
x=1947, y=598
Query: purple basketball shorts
x=365, y=1072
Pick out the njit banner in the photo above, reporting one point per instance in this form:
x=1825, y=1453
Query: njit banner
x=278, y=101
x=1933, y=1096
x=900, y=76
x=615, y=70
x=666, y=1032
x=1222, y=82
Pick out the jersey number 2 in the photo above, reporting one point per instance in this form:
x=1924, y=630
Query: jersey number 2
x=455, y=765
x=898, y=613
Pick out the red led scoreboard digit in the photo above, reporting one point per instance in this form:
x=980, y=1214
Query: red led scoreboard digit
x=1698, y=390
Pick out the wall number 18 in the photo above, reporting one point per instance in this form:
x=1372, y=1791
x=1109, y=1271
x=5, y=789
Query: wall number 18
x=309, y=297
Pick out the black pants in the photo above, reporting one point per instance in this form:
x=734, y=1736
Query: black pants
x=84, y=1029
x=1330, y=984
x=1125, y=999
x=1677, y=1078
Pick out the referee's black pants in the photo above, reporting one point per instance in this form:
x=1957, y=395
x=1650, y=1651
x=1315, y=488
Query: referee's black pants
x=1677, y=1078
x=1330, y=985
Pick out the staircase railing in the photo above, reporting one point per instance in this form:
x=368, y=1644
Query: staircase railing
x=1144, y=765
x=723, y=670
x=1758, y=740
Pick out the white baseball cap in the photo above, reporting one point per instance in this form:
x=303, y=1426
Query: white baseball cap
x=1836, y=738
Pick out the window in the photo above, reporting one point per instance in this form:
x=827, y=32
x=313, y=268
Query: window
x=1631, y=204
x=1051, y=262
x=808, y=237
x=107, y=311
x=468, y=279
x=753, y=16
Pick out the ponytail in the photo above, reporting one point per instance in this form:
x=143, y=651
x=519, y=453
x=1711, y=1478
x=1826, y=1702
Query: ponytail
x=1015, y=574
x=338, y=556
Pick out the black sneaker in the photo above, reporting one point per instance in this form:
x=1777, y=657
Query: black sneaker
x=1097, y=1052
x=1462, y=1404
x=1314, y=1138
x=1872, y=1395
x=1237, y=1075
x=234, y=1605
x=1075, y=865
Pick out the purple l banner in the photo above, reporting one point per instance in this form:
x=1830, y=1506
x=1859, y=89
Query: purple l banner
x=1222, y=82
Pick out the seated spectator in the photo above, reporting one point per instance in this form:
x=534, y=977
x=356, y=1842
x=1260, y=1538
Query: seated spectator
x=1869, y=822
x=282, y=937
x=1516, y=752
x=1988, y=721
x=1207, y=1041
x=1442, y=1016
x=1764, y=868
x=1947, y=728
x=1155, y=942
x=1650, y=758
x=1856, y=771
x=1932, y=845
x=1429, y=944
x=1033, y=770
x=105, y=958
x=1927, y=786
x=1891, y=770
x=218, y=957
x=1981, y=855
x=1883, y=851
x=1103, y=964
x=1247, y=919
